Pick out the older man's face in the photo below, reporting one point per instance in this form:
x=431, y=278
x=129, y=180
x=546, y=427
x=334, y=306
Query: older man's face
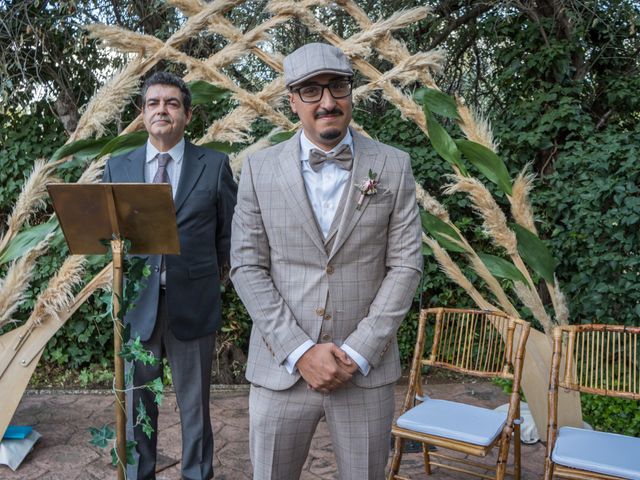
x=164, y=115
x=325, y=121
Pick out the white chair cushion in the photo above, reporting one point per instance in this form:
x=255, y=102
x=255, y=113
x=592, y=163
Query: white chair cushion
x=601, y=452
x=456, y=421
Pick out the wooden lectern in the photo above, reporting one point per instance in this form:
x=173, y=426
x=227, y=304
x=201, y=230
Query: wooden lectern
x=141, y=213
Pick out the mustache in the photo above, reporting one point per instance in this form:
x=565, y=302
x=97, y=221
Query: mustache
x=323, y=112
x=162, y=118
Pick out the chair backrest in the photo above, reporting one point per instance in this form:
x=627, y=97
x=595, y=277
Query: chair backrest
x=476, y=342
x=599, y=359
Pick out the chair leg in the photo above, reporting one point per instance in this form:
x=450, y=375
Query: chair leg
x=503, y=456
x=397, y=458
x=427, y=459
x=517, y=443
x=548, y=469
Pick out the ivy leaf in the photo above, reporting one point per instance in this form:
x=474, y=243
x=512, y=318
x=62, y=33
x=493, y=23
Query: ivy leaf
x=438, y=102
x=130, y=448
x=442, y=141
x=203, y=92
x=490, y=164
x=502, y=268
x=156, y=387
x=143, y=419
x=124, y=143
x=281, y=136
x=440, y=231
x=100, y=437
x=85, y=148
x=28, y=239
x=535, y=253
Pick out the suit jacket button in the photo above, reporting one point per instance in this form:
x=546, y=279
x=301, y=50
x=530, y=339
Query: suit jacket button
x=327, y=316
x=320, y=311
x=330, y=269
x=326, y=337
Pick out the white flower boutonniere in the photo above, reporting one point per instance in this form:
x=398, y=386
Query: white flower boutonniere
x=367, y=187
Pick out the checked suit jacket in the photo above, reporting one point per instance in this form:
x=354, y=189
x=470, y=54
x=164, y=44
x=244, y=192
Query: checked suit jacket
x=204, y=204
x=364, y=276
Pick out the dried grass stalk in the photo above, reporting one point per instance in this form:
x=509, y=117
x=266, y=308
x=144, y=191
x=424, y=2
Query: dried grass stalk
x=532, y=301
x=452, y=270
x=188, y=7
x=17, y=279
x=560, y=305
x=380, y=29
x=124, y=40
x=475, y=126
x=430, y=204
x=494, y=220
x=31, y=198
x=59, y=292
x=110, y=101
x=492, y=283
x=93, y=173
x=520, y=204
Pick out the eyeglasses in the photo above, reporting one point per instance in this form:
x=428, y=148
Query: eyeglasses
x=313, y=93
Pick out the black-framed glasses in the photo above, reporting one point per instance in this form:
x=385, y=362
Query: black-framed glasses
x=313, y=92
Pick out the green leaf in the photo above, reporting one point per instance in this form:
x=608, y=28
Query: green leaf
x=223, y=147
x=156, y=387
x=204, y=92
x=438, y=102
x=502, y=268
x=124, y=143
x=85, y=148
x=442, y=141
x=490, y=164
x=440, y=231
x=130, y=448
x=100, y=437
x=281, y=136
x=28, y=239
x=535, y=253
x=143, y=419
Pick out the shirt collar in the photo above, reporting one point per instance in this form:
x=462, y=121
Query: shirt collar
x=306, y=145
x=177, y=152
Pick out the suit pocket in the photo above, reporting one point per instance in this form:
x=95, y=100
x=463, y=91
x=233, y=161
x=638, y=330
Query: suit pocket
x=203, y=270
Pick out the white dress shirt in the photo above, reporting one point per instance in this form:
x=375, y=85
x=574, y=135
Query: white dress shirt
x=174, y=168
x=324, y=189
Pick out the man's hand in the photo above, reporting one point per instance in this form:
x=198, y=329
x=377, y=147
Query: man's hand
x=346, y=362
x=323, y=367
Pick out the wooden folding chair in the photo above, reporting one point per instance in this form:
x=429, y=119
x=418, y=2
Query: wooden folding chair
x=478, y=343
x=601, y=360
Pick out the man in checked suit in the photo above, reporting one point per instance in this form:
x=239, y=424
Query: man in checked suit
x=178, y=313
x=327, y=264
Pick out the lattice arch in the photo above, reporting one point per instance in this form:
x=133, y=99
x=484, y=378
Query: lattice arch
x=24, y=345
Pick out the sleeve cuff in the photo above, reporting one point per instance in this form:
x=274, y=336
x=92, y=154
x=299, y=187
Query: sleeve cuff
x=363, y=364
x=292, y=359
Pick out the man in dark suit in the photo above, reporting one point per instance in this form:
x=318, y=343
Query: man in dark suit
x=178, y=312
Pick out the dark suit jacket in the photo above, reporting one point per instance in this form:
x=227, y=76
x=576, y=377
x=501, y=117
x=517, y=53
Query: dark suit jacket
x=204, y=204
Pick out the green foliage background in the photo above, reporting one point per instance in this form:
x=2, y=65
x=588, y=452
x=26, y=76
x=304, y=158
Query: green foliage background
x=562, y=100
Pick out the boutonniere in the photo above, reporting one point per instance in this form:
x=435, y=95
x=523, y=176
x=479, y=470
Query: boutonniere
x=367, y=187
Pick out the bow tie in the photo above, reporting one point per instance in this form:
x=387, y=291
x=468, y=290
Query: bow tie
x=342, y=158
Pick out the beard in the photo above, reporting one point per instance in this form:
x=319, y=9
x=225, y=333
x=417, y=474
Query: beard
x=331, y=134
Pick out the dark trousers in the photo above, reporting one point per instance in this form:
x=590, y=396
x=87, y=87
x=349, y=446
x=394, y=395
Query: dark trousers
x=190, y=363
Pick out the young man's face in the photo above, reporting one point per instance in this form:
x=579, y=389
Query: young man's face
x=164, y=115
x=325, y=121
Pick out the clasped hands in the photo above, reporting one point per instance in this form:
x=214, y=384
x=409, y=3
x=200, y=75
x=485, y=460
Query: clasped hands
x=325, y=367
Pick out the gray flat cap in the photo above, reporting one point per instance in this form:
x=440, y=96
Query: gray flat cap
x=315, y=59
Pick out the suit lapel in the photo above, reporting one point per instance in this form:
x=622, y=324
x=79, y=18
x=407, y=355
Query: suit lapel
x=292, y=186
x=192, y=166
x=135, y=166
x=367, y=157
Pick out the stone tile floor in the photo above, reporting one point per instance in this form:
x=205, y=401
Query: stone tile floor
x=64, y=452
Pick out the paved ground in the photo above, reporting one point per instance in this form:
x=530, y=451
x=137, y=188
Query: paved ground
x=64, y=451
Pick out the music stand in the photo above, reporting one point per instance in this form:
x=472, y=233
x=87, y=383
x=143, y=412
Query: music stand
x=141, y=213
